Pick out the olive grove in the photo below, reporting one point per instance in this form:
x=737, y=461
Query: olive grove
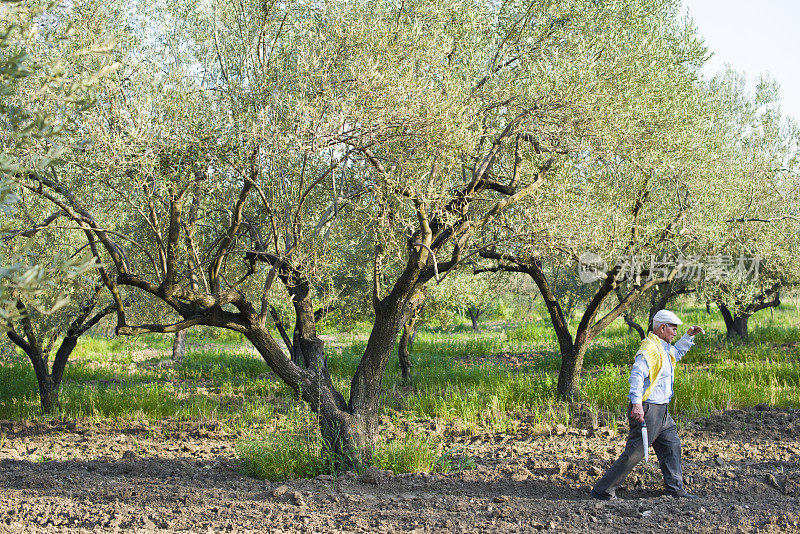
x=244, y=155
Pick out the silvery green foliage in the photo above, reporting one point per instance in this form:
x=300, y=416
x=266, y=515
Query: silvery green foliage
x=426, y=85
x=760, y=151
x=27, y=276
x=40, y=102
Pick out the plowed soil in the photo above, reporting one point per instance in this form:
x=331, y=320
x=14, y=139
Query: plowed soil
x=78, y=476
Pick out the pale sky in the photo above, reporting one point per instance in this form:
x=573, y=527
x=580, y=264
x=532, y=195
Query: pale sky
x=754, y=37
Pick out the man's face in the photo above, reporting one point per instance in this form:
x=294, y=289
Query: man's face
x=667, y=332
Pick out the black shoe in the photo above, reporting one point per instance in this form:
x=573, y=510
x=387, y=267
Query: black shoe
x=601, y=497
x=683, y=496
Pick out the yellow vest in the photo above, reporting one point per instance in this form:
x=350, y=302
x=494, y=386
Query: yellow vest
x=653, y=351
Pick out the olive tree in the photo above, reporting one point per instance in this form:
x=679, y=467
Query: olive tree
x=48, y=328
x=634, y=204
x=755, y=258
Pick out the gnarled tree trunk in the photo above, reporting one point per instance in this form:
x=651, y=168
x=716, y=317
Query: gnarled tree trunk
x=345, y=436
x=49, y=380
x=404, y=350
x=407, y=338
x=179, y=346
x=736, y=322
x=569, y=375
x=474, y=314
x=48, y=388
x=365, y=387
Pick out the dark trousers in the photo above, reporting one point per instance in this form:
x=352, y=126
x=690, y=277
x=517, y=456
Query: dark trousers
x=662, y=433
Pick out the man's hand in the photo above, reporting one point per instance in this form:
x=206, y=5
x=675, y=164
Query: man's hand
x=637, y=413
x=695, y=330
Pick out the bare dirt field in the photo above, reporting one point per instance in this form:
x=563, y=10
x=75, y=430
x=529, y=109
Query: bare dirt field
x=78, y=476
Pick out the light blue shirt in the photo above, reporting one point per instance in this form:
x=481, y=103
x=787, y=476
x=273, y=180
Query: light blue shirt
x=662, y=389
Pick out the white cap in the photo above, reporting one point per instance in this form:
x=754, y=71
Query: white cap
x=665, y=317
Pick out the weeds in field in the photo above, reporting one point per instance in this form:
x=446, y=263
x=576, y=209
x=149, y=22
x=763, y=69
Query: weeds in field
x=296, y=452
x=607, y=389
x=409, y=454
x=299, y=455
x=281, y=456
x=454, y=460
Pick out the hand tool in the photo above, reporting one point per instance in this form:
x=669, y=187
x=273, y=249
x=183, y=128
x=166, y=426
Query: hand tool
x=645, y=442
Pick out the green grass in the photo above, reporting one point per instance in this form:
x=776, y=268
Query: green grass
x=413, y=454
x=19, y=394
x=607, y=389
x=463, y=346
x=299, y=455
x=481, y=396
x=282, y=456
x=533, y=334
x=205, y=385
x=221, y=366
x=735, y=384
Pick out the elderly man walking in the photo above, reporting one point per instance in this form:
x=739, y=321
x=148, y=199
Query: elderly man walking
x=651, y=382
